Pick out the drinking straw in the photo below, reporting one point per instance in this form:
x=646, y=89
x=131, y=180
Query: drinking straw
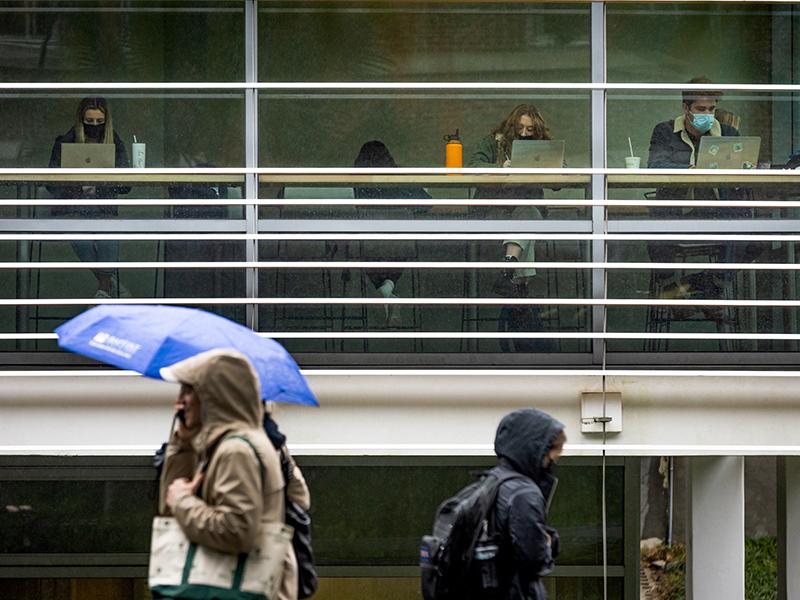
x=134, y=141
x=630, y=145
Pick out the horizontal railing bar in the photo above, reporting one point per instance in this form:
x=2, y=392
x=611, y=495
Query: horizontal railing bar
x=474, y=372
x=377, y=171
x=333, y=236
x=422, y=202
x=360, y=264
x=386, y=85
x=478, y=335
x=413, y=301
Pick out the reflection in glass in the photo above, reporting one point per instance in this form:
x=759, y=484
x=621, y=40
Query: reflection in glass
x=92, y=41
x=455, y=283
x=354, y=527
x=303, y=41
x=76, y=516
x=655, y=42
x=694, y=282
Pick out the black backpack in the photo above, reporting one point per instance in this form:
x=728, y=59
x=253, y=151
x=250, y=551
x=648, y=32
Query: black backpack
x=459, y=560
x=295, y=517
x=299, y=519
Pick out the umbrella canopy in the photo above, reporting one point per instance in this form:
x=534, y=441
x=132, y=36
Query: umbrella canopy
x=146, y=338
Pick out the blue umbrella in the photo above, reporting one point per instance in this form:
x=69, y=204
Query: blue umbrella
x=146, y=338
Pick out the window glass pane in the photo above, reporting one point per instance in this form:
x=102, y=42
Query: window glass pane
x=66, y=589
x=637, y=115
x=741, y=43
x=657, y=125
x=696, y=282
x=329, y=129
x=305, y=41
x=407, y=588
x=178, y=129
x=121, y=41
x=354, y=526
x=83, y=506
x=406, y=282
x=43, y=517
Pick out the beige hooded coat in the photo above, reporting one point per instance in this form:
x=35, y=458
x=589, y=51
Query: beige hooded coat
x=232, y=502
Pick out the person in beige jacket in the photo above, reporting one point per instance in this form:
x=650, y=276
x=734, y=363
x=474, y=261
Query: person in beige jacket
x=219, y=398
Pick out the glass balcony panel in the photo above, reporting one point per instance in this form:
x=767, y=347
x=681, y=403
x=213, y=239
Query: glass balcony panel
x=701, y=283
x=405, y=281
x=39, y=289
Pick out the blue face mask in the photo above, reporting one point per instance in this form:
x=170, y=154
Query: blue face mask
x=703, y=122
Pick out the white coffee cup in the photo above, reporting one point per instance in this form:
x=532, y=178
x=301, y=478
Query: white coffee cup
x=632, y=162
x=138, y=153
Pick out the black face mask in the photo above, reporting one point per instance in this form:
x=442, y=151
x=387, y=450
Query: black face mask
x=96, y=132
x=525, y=137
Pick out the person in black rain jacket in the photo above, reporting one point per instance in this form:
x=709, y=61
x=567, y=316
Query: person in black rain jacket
x=528, y=442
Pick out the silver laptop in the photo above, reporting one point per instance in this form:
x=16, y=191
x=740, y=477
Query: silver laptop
x=541, y=154
x=728, y=152
x=87, y=156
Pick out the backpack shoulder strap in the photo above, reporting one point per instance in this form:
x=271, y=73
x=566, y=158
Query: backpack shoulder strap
x=261, y=468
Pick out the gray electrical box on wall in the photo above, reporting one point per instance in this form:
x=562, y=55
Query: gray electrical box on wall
x=593, y=416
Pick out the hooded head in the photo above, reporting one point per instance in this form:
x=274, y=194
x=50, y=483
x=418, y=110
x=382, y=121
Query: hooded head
x=524, y=437
x=227, y=385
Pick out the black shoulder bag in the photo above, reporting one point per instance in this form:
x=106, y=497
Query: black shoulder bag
x=299, y=519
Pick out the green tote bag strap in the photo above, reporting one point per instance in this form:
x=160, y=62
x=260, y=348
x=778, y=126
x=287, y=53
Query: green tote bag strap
x=240, y=563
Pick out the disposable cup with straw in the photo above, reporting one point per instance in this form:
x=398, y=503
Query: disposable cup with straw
x=138, y=153
x=632, y=162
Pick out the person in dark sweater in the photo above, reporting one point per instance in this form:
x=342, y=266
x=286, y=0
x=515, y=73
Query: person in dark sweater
x=93, y=125
x=375, y=154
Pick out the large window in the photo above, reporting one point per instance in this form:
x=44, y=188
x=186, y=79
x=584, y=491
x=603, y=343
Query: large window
x=90, y=518
x=316, y=109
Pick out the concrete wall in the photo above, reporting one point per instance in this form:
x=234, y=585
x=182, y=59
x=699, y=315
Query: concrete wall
x=422, y=413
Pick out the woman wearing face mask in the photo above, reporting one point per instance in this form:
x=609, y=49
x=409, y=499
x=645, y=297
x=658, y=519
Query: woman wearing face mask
x=93, y=125
x=524, y=122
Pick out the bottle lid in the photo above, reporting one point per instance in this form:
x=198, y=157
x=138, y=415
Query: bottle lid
x=452, y=137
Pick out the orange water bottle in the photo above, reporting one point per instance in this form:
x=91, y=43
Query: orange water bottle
x=453, y=152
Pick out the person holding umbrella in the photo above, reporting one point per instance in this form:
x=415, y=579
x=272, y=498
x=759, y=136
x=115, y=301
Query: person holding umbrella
x=221, y=474
x=222, y=485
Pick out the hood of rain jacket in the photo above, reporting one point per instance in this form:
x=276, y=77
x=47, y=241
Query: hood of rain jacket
x=524, y=437
x=236, y=492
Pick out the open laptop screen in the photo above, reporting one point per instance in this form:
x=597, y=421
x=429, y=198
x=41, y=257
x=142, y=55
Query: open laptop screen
x=87, y=156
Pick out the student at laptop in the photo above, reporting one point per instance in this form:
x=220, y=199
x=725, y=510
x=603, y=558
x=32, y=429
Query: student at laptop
x=524, y=122
x=93, y=125
x=674, y=145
